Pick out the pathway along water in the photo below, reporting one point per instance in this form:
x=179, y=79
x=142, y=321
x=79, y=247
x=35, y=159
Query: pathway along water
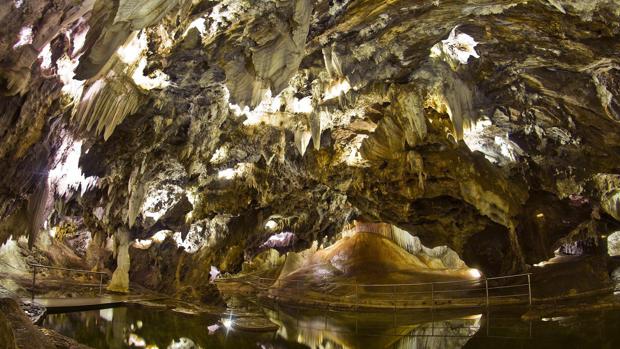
x=503, y=290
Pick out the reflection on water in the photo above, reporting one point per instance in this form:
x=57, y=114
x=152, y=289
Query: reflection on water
x=141, y=327
x=376, y=330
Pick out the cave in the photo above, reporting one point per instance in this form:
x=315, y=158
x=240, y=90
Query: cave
x=309, y=174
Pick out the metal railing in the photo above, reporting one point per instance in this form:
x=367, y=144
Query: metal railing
x=512, y=289
x=80, y=271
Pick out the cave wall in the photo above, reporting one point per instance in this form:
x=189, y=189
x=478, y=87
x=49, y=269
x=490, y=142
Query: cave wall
x=460, y=122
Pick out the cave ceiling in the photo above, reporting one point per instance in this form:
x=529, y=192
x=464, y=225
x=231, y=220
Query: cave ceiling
x=475, y=124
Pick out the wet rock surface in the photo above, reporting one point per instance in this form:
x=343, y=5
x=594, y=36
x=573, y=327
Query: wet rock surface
x=18, y=329
x=62, y=342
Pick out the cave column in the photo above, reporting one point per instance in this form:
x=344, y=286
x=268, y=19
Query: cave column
x=518, y=263
x=120, y=278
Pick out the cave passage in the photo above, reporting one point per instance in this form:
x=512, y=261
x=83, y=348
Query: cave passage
x=309, y=174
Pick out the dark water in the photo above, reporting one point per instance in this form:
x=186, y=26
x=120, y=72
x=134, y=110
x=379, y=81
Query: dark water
x=157, y=328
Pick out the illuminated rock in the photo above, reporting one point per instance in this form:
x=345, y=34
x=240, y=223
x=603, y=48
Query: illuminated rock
x=207, y=119
x=120, y=277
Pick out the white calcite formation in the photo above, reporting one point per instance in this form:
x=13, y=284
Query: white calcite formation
x=120, y=277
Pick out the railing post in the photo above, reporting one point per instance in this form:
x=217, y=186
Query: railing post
x=488, y=322
x=432, y=322
x=394, y=296
x=34, y=275
x=486, y=287
x=529, y=288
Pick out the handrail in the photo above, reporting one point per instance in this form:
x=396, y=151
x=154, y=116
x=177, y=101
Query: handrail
x=508, y=276
x=34, y=274
x=67, y=269
x=411, y=284
x=397, y=289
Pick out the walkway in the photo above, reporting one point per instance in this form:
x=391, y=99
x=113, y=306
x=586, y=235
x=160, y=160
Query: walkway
x=505, y=290
x=60, y=305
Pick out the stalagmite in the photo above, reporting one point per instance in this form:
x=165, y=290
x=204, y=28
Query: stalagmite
x=120, y=277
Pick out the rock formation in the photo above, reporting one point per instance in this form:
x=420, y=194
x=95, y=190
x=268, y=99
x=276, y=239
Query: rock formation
x=120, y=278
x=490, y=127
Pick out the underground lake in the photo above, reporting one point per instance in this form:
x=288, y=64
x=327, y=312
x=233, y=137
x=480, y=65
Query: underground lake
x=137, y=326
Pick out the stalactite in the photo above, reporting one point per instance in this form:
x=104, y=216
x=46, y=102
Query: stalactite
x=38, y=206
x=302, y=140
x=106, y=104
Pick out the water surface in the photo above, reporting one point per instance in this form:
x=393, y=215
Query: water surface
x=137, y=326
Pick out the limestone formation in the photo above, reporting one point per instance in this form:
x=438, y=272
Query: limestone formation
x=120, y=278
x=487, y=126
